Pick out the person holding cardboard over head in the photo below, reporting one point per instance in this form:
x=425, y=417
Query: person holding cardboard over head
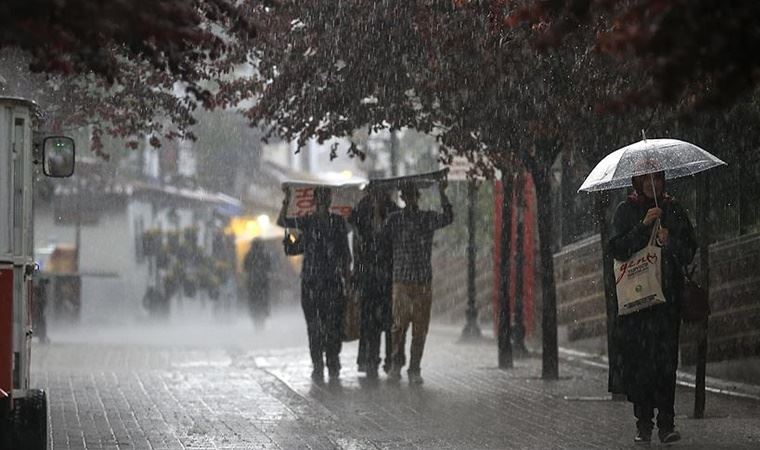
x=411, y=232
x=326, y=267
x=373, y=276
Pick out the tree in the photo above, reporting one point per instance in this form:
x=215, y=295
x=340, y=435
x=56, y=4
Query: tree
x=445, y=69
x=698, y=52
x=132, y=69
x=453, y=69
x=335, y=67
x=92, y=36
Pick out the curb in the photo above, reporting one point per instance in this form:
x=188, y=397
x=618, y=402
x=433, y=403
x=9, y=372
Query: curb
x=712, y=384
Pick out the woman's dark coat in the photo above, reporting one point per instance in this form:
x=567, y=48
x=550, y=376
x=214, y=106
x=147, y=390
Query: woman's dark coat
x=649, y=338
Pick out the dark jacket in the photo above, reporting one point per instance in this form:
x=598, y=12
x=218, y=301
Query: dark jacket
x=326, y=251
x=649, y=338
x=257, y=265
x=374, y=259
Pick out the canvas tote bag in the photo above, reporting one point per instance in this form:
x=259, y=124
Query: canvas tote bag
x=639, y=279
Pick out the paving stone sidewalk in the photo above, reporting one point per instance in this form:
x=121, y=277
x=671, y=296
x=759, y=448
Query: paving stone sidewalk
x=135, y=396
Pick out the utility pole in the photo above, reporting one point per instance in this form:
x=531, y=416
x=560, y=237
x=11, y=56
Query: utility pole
x=471, y=329
x=703, y=225
x=78, y=222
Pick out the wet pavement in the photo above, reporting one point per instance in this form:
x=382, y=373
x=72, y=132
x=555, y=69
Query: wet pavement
x=223, y=386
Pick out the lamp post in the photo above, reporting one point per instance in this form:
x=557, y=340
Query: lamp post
x=703, y=202
x=471, y=328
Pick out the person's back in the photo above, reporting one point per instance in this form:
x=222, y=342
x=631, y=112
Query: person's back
x=257, y=263
x=374, y=250
x=325, y=247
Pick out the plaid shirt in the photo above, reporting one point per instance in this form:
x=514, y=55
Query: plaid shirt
x=411, y=233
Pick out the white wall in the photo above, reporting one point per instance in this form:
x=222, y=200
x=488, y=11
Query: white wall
x=113, y=282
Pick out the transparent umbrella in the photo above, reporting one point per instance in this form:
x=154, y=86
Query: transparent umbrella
x=676, y=158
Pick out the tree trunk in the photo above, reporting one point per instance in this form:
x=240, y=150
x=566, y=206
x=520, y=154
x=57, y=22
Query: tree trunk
x=550, y=367
x=519, y=324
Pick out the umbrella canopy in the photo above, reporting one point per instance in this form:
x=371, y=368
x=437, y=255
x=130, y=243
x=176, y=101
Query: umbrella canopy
x=676, y=158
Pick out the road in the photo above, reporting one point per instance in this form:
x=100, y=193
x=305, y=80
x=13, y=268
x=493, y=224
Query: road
x=218, y=384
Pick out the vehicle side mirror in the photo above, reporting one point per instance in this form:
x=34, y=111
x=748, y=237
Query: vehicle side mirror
x=58, y=156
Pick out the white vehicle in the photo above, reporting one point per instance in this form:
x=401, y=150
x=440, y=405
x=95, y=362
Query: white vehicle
x=23, y=411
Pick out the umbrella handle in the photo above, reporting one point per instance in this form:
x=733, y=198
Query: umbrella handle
x=654, y=191
x=653, y=237
x=656, y=204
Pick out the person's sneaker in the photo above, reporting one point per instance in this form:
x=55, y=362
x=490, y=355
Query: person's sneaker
x=334, y=373
x=415, y=378
x=669, y=436
x=643, y=437
x=318, y=376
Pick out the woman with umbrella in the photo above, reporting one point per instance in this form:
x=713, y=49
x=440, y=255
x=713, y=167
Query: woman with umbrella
x=649, y=337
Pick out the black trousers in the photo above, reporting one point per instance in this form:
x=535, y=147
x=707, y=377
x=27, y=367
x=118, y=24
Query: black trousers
x=376, y=319
x=650, y=360
x=323, y=304
x=370, y=338
x=663, y=399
